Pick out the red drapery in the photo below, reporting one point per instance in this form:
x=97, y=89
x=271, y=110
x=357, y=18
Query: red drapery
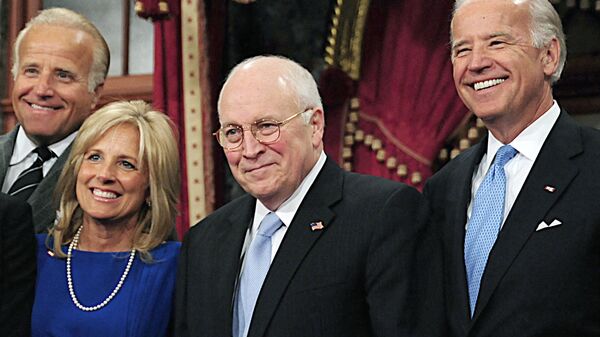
x=406, y=95
x=182, y=90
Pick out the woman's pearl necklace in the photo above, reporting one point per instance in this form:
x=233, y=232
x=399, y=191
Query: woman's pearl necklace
x=73, y=245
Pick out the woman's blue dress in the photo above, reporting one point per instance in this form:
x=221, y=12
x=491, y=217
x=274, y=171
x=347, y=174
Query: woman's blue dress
x=143, y=307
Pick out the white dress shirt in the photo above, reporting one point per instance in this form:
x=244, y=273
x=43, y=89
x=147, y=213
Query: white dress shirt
x=528, y=143
x=285, y=212
x=23, y=156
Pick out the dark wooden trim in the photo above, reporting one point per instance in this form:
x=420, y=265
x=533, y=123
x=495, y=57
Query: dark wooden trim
x=128, y=87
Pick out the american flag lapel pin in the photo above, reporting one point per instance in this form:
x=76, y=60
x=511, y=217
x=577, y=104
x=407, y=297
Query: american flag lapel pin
x=316, y=226
x=549, y=188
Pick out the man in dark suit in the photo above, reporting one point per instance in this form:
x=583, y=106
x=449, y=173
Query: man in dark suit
x=17, y=267
x=520, y=233
x=339, y=261
x=60, y=63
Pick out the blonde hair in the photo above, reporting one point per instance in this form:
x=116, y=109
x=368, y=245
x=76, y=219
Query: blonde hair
x=63, y=17
x=158, y=155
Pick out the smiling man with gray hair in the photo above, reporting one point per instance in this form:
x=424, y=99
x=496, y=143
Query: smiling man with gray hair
x=517, y=214
x=60, y=63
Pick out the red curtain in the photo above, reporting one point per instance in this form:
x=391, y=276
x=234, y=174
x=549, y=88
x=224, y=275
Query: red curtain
x=406, y=92
x=168, y=87
x=182, y=90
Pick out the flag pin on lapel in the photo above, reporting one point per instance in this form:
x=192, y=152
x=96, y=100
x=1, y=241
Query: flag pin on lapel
x=549, y=188
x=316, y=226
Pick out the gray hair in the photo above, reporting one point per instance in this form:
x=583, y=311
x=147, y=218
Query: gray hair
x=300, y=80
x=545, y=24
x=63, y=17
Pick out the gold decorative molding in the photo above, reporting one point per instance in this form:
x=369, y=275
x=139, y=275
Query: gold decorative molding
x=192, y=102
x=344, y=44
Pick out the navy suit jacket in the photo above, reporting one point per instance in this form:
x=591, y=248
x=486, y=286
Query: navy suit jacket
x=537, y=282
x=17, y=267
x=352, y=278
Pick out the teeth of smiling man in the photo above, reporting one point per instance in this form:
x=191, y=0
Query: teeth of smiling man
x=104, y=194
x=487, y=84
x=35, y=106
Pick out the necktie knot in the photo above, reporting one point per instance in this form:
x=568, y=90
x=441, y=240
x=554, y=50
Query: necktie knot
x=269, y=225
x=504, y=154
x=43, y=153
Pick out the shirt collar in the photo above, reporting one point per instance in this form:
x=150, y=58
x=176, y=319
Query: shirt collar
x=529, y=142
x=287, y=210
x=24, y=146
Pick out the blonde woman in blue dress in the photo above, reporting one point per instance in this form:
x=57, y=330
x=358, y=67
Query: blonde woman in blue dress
x=105, y=268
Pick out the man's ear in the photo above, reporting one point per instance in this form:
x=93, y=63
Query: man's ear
x=96, y=95
x=551, y=57
x=317, y=124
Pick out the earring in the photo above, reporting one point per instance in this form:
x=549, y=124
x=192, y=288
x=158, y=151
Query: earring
x=149, y=203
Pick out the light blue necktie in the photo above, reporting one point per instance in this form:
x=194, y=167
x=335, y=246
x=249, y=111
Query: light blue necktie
x=256, y=266
x=485, y=221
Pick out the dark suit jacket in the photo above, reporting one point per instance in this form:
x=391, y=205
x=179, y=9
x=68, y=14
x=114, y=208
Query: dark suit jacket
x=17, y=266
x=352, y=278
x=536, y=283
x=42, y=199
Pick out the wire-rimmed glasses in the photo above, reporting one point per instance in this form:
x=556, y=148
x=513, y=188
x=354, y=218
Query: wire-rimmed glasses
x=265, y=131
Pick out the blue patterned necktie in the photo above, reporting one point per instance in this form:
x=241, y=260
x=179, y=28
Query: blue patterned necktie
x=485, y=221
x=256, y=266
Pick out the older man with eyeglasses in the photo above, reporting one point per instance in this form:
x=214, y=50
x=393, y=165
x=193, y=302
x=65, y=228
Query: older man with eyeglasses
x=311, y=250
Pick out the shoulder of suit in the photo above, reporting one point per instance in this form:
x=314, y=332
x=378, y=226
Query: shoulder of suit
x=9, y=136
x=592, y=133
x=238, y=204
x=461, y=162
x=368, y=185
x=465, y=155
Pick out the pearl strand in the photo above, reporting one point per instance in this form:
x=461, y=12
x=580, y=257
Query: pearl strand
x=73, y=245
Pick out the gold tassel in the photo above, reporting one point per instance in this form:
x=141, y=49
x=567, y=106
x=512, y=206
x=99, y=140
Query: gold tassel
x=163, y=7
x=139, y=7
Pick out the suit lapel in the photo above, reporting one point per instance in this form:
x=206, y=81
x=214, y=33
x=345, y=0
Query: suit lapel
x=227, y=246
x=459, y=196
x=299, y=239
x=7, y=143
x=551, y=168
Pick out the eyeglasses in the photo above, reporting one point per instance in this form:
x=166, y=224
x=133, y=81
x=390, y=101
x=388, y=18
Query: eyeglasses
x=265, y=131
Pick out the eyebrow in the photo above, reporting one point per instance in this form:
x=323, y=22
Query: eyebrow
x=261, y=119
x=499, y=34
x=122, y=156
x=65, y=70
x=30, y=64
x=460, y=43
x=36, y=64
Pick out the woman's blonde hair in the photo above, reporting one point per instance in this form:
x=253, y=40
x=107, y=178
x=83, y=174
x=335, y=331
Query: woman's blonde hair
x=158, y=155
